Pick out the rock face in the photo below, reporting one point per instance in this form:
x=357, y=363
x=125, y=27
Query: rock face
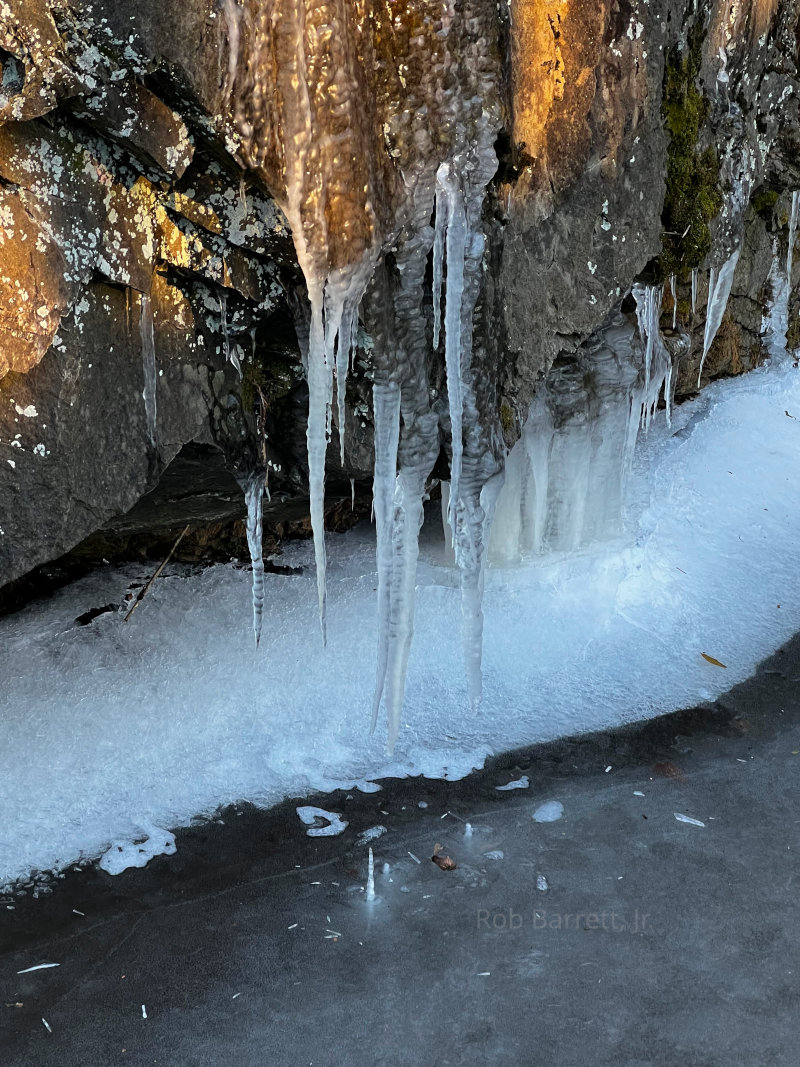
x=130, y=203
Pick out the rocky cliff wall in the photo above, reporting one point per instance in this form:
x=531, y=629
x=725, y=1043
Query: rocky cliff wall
x=634, y=141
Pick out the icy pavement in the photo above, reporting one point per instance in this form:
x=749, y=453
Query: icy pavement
x=111, y=727
x=616, y=936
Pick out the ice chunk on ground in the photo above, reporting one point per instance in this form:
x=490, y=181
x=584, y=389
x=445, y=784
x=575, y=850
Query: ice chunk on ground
x=688, y=819
x=518, y=783
x=550, y=811
x=372, y=834
x=309, y=815
x=124, y=855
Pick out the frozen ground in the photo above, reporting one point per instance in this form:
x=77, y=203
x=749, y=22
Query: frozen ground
x=111, y=727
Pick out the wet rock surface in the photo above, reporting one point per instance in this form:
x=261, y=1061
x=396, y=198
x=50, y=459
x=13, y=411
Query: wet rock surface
x=122, y=187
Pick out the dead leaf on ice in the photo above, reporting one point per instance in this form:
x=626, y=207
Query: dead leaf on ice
x=710, y=659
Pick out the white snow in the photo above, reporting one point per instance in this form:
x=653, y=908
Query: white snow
x=108, y=727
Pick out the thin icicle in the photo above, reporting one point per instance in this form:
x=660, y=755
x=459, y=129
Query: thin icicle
x=352, y=494
x=694, y=290
x=719, y=289
x=254, y=494
x=371, y=879
x=386, y=404
x=449, y=191
x=344, y=347
x=438, y=255
x=149, y=393
x=657, y=360
x=320, y=385
x=792, y=233
x=674, y=301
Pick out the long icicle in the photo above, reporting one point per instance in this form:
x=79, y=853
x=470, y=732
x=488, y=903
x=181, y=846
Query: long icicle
x=455, y=247
x=254, y=495
x=386, y=403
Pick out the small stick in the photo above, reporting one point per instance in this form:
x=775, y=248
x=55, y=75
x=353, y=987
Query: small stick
x=143, y=593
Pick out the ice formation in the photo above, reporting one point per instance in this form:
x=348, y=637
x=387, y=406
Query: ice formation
x=310, y=815
x=254, y=496
x=719, y=289
x=149, y=394
x=792, y=234
x=657, y=361
x=360, y=153
x=700, y=551
x=565, y=477
x=550, y=811
x=123, y=855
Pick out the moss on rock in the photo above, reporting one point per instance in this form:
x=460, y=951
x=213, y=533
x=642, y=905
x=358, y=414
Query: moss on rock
x=693, y=195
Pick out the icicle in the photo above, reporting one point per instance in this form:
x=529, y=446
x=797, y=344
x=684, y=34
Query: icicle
x=792, y=232
x=254, y=494
x=719, y=289
x=386, y=405
x=344, y=347
x=149, y=393
x=320, y=386
x=657, y=360
x=371, y=879
x=694, y=290
x=438, y=254
x=352, y=494
x=564, y=479
x=674, y=301
x=449, y=194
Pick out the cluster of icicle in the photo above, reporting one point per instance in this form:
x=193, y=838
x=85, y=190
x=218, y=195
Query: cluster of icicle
x=303, y=84
x=565, y=477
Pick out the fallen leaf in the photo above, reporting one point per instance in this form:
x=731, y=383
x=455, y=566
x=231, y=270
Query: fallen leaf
x=790, y=416
x=665, y=769
x=710, y=659
x=444, y=863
